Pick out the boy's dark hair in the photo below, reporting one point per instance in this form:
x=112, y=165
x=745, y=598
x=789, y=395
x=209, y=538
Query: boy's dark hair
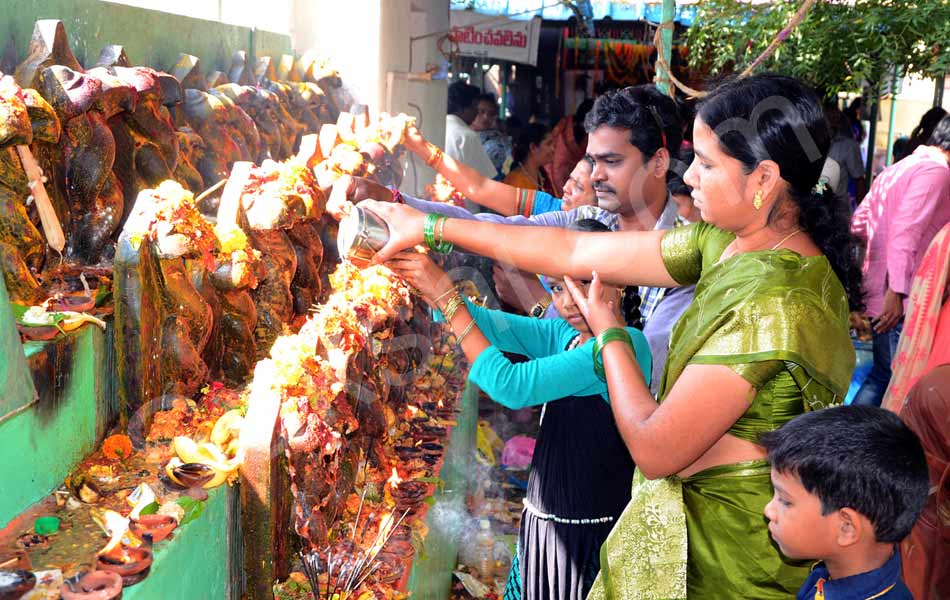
x=651, y=117
x=941, y=135
x=461, y=96
x=859, y=457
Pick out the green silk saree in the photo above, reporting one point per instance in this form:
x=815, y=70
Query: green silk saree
x=779, y=320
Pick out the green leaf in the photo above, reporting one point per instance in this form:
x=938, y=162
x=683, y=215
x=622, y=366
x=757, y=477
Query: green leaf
x=150, y=509
x=193, y=508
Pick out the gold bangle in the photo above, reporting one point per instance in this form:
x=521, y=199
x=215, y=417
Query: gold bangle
x=444, y=294
x=451, y=307
x=435, y=158
x=465, y=331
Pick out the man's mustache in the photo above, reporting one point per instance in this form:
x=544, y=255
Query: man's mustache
x=604, y=188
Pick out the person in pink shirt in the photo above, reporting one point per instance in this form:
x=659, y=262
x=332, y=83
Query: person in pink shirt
x=908, y=204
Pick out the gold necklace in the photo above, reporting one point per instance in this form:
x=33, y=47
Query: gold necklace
x=786, y=238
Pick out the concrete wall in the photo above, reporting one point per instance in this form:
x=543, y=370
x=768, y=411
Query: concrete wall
x=151, y=38
x=369, y=43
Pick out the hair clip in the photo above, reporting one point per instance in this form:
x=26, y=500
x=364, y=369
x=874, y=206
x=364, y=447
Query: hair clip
x=821, y=186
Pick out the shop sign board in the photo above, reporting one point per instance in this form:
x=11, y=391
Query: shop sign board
x=497, y=37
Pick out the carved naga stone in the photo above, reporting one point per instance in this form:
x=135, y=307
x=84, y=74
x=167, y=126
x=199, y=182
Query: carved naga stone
x=282, y=199
x=208, y=117
x=91, y=191
x=263, y=108
x=163, y=322
x=22, y=246
x=147, y=145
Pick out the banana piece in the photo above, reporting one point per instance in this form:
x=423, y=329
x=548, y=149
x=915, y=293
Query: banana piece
x=208, y=454
x=227, y=427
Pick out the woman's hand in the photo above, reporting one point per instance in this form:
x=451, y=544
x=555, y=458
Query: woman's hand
x=599, y=305
x=405, y=227
x=416, y=142
x=422, y=273
x=349, y=189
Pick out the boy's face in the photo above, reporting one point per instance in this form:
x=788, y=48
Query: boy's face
x=796, y=522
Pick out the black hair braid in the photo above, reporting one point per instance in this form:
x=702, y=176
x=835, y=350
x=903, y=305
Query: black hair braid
x=630, y=307
x=828, y=224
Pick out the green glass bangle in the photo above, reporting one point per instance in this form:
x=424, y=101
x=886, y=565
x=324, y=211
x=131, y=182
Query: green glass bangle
x=613, y=334
x=443, y=246
x=428, y=229
x=433, y=221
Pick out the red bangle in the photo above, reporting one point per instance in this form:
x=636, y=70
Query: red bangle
x=397, y=196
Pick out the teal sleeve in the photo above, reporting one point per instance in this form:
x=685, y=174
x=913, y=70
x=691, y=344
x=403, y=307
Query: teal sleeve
x=544, y=202
x=534, y=338
x=568, y=373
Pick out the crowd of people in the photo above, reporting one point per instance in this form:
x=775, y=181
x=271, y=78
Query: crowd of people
x=687, y=308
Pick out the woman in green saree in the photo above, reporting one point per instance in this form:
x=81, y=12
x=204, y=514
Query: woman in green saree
x=765, y=339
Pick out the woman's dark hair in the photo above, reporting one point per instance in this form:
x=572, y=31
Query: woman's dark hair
x=630, y=299
x=532, y=133
x=940, y=137
x=490, y=98
x=928, y=123
x=859, y=457
x=778, y=118
x=579, y=115
x=461, y=96
x=651, y=117
x=674, y=177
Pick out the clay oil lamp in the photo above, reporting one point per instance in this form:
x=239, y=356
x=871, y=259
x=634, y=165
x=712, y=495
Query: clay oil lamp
x=15, y=584
x=159, y=527
x=407, y=453
x=439, y=409
x=428, y=432
x=431, y=452
x=407, y=495
x=130, y=563
x=191, y=476
x=75, y=302
x=390, y=569
x=94, y=585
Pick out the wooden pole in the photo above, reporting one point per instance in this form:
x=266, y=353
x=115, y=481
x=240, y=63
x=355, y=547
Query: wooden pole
x=895, y=88
x=940, y=82
x=662, y=75
x=872, y=133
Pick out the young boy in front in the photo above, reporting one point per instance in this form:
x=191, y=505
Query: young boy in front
x=849, y=484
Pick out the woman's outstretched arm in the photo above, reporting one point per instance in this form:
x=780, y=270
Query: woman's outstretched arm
x=621, y=258
x=499, y=197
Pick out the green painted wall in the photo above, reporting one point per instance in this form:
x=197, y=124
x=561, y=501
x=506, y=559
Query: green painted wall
x=194, y=563
x=431, y=576
x=16, y=386
x=151, y=38
x=42, y=444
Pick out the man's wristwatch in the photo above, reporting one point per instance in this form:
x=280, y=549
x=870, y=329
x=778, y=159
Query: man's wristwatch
x=538, y=310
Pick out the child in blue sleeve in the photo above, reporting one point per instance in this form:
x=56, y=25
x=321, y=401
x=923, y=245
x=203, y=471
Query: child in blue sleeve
x=581, y=471
x=849, y=484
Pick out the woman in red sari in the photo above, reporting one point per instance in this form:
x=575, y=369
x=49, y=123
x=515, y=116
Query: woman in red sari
x=920, y=393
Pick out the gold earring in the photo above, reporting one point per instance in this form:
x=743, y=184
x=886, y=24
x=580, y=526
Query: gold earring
x=757, y=200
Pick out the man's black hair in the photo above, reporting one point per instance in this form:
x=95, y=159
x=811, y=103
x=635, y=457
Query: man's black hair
x=651, y=117
x=941, y=135
x=859, y=457
x=461, y=96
